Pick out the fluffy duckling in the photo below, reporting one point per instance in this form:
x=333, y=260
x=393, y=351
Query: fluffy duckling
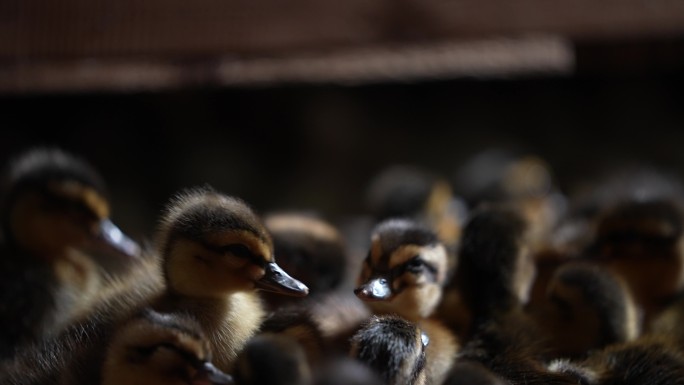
x=55, y=220
x=641, y=241
x=310, y=249
x=160, y=349
x=215, y=253
x=588, y=308
x=405, y=270
x=404, y=274
x=395, y=348
x=495, y=270
x=272, y=359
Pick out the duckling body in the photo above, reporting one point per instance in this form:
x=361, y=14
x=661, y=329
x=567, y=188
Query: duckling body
x=494, y=274
x=55, y=216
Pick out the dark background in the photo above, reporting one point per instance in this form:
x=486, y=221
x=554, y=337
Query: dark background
x=315, y=147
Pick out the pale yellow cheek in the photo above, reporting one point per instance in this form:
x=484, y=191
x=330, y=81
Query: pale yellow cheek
x=254, y=272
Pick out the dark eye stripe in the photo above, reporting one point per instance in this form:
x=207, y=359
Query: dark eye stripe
x=239, y=250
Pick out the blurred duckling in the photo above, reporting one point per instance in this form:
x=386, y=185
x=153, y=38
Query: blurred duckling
x=272, y=359
x=645, y=361
x=641, y=241
x=511, y=177
x=588, y=308
x=310, y=249
x=668, y=323
x=395, y=348
x=160, y=349
x=494, y=274
x=55, y=220
x=411, y=192
x=510, y=347
x=405, y=270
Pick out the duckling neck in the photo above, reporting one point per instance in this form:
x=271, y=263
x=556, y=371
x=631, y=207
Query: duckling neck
x=228, y=321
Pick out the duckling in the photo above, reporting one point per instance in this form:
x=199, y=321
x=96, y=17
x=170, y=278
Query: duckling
x=411, y=192
x=518, y=179
x=394, y=348
x=641, y=241
x=155, y=348
x=495, y=270
x=214, y=254
x=310, y=249
x=301, y=325
x=644, y=361
x=588, y=308
x=404, y=274
x=272, y=359
x=510, y=347
x=404, y=271
x=55, y=221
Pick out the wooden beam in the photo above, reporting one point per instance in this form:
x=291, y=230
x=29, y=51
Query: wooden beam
x=484, y=58
x=39, y=29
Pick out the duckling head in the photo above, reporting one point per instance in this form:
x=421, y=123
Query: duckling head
x=55, y=202
x=593, y=307
x=309, y=248
x=272, y=359
x=405, y=270
x=160, y=349
x=642, y=242
x=394, y=348
x=212, y=245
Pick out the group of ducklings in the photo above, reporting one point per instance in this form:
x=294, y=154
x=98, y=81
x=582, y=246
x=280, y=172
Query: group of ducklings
x=509, y=284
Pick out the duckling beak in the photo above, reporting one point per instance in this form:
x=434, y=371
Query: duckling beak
x=277, y=280
x=208, y=374
x=377, y=289
x=109, y=237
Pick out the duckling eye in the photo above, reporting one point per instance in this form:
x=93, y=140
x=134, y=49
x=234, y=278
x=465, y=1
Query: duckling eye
x=415, y=265
x=238, y=250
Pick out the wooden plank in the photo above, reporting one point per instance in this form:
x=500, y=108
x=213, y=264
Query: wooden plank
x=484, y=58
x=39, y=29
